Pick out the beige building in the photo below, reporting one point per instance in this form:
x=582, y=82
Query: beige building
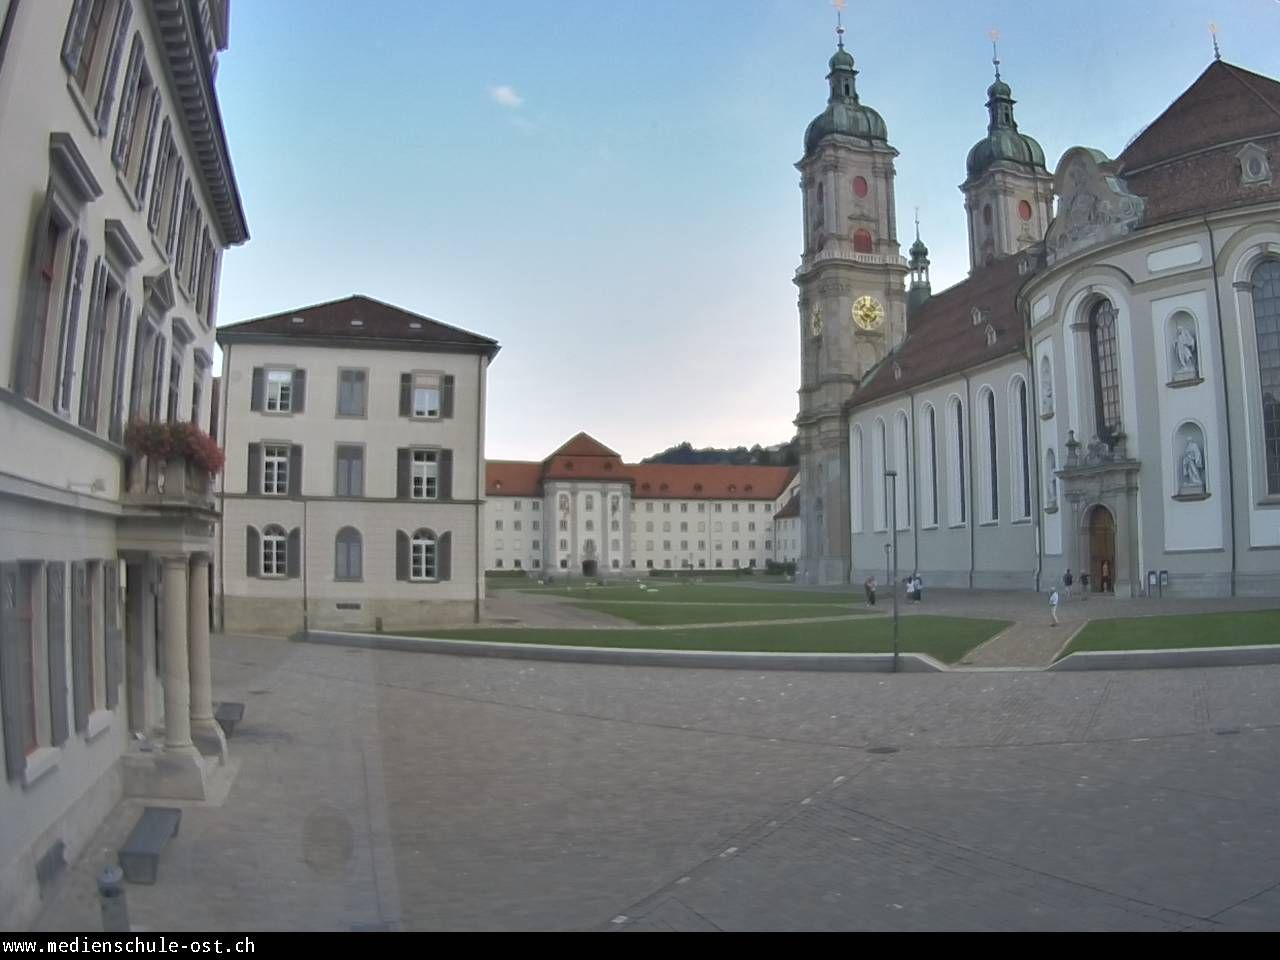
x=352, y=494
x=583, y=511
x=118, y=201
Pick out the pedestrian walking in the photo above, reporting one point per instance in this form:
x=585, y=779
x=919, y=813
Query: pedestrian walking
x=870, y=587
x=1067, y=580
x=917, y=588
x=1053, y=606
x=1084, y=586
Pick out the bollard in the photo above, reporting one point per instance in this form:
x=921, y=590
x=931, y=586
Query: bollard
x=111, y=897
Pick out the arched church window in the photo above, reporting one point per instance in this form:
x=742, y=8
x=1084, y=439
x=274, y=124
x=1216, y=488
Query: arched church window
x=1266, y=319
x=986, y=214
x=862, y=241
x=1106, y=370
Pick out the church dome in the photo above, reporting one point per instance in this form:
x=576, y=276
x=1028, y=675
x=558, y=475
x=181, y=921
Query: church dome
x=1003, y=143
x=918, y=250
x=845, y=115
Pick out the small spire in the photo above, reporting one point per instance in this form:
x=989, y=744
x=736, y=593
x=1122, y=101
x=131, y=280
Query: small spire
x=994, y=35
x=1213, y=31
x=917, y=223
x=839, y=5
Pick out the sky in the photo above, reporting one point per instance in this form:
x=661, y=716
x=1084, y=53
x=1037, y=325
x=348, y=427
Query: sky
x=609, y=190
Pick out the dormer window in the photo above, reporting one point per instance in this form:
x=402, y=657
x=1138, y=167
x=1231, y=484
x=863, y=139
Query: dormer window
x=991, y=336
x=1255, y=167
x=977, y=315
x=897, y=371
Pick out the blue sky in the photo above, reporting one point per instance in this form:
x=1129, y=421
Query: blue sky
x=608, y=189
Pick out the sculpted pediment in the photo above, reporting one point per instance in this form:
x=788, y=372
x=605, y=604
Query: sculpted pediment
x=1094, y=204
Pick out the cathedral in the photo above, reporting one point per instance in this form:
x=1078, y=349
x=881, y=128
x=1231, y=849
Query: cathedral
x=1101, y=394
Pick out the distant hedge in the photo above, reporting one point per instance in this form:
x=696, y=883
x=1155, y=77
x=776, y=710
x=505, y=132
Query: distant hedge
x=685, y=573
x=773, y=566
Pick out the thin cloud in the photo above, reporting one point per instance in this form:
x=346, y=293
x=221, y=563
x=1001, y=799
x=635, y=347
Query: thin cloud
x=506, y=96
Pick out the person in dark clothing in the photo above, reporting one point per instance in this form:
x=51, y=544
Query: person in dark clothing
x=870, y=587
x=1067, y=580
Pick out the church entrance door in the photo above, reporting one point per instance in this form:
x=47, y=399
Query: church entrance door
x=1102, y=550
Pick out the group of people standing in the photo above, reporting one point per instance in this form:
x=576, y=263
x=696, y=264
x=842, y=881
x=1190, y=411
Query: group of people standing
x=913, y=583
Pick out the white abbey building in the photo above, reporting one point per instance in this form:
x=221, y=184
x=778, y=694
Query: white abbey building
x=583, y=510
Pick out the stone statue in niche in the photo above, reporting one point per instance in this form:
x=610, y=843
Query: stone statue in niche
x=1053, y=490
x=1185, y=354
x=1046, y=396
x=1192, y=479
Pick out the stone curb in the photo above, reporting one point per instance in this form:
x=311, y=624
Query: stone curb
x=819, y=662
x=1163, y=659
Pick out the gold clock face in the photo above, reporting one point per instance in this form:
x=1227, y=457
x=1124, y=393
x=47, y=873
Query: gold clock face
x=867, y=313
x=815, y=323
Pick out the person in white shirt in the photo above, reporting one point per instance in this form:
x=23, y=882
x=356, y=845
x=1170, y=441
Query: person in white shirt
x=1053, y=605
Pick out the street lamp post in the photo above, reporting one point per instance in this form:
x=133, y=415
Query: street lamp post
x=891, y=478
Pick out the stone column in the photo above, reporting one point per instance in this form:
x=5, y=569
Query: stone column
x=177, y=677
x=198, y=638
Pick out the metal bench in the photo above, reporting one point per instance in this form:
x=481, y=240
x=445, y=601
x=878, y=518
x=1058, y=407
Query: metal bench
x=228, y=715
x=140, y=855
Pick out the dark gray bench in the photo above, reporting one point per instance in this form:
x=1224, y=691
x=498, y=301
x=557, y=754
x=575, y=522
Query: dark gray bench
x=140, y=855
x=228, y=715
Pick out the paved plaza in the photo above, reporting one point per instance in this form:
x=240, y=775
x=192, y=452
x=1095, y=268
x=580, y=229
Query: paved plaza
x=390, y=790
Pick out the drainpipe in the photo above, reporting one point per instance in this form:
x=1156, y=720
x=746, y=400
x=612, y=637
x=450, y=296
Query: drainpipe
x=968, y=469
x=1226, y=401
x=222, y=497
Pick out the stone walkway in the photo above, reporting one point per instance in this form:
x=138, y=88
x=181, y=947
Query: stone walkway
x=388, y=790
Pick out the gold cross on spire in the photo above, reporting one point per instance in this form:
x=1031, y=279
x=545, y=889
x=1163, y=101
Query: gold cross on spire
x=839, y=5
x=994, y=36
x=1213, y=31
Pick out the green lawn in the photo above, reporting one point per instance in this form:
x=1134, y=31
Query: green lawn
x=946, y=638
x=1189, y=630
x=664, y=614
x=702, y=593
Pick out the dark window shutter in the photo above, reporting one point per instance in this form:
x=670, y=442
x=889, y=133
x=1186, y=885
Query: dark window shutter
x=402, y=555
x=259, y=389
x=406, y=394
x=360, y=390
x=71, y=321
x=252, y=552
x=112, y=634
x=402, y=473
x=293, y=559
x=56, y=626
x=113, y=67
x=357, y=472
x=295, y=470
x=124, y=125
x=11, y=696
x=144, y=176
x=340, y=487
x=30, y=345
x=446, y=396
x=298, y=402
x=444, y=556
x=255, y=469
x=73, y=41
x=95, y=330
x=444, y=467
x=81, y=652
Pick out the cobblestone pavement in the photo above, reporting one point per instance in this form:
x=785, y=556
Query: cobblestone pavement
x=381, y=789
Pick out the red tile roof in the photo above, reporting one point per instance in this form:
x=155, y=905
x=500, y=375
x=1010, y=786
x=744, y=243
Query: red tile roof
x=357, y=318
x=1226, y=103
x=942, y=338
x=515, y=478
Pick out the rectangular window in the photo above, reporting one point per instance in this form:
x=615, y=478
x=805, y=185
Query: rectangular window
x=702, y=544
x=734, y=526
x=735, y=545
x=279, y=391
x=516, y=563
x=498, y=563
x=591, y=525
x=535, y=505
x=666, y=544
x=684, y=508
x=666, y=526
x=719, y=546
x=648, y=508
x=614, y=525
x=537, y=564
x=349, y=481
x=535, y=545
x=718, y=506
x=751, y=525
x=751, y=508
x=684, y=526
x=275, y=469
x=564, y=524
x=591, y=502
x=751, y=545
x=517, y=505
x=497, y=524
x=666, y=508
x=534, y=524
x=352, y=393
x=684, y=544
x=274, y=553
x=734, y=508
x=424, y=475
x=702, y=508
x=422, y=558
x=564, y=544
x=615, y=544
x=515, y=524
x=175, y=382
x=426, y=395
x=666, y=564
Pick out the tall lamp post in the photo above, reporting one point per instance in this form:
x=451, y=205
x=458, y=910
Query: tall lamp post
x=891, y=480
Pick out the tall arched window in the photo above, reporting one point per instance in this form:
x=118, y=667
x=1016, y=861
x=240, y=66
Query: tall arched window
x=856, y=468
x=862, y=241
x=930, y=463
x=879, y=463
x=958, y=512
x=988, y=465
x=1050, y=479
x=1019, y=447
x=347, y=560
x=1106, y=370
x=1266, y=319
x=902, y=463
x=274, y=551
x=422, y=555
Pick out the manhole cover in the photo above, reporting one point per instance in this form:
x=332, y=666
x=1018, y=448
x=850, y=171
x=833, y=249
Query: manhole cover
x=882, y=750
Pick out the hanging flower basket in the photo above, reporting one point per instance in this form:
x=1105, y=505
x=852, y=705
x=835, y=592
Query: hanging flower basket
x=174, y=441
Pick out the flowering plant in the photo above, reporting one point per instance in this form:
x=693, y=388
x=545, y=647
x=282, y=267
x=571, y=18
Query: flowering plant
x=178, y=440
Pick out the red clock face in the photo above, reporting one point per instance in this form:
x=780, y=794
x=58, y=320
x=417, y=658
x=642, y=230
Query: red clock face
x=1024, y=211
x=859, y=186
